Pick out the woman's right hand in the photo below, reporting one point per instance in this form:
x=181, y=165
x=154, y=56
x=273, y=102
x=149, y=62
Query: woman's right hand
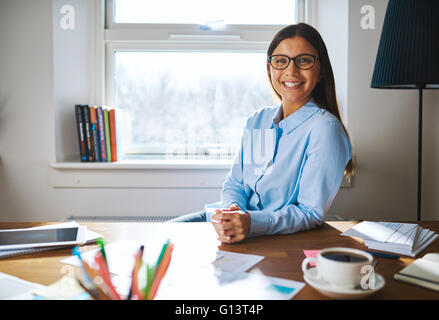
x=231, y=225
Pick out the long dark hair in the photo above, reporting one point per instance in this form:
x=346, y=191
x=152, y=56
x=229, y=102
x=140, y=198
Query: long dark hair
x=324, y=92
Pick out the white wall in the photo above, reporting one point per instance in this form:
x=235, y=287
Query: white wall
x=26, y=109
x=383, y=125
x=70, y=72
x=331, y=20
x=36, y=123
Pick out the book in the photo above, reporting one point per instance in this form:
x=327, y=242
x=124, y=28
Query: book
x=113, y=142
x=101, y=127
x=402, y=238
x=422, y=272
x=99, y=133
x=120, y=129
x=107, y=135
x=81, y=133
x=95, y=134
x=87, y=124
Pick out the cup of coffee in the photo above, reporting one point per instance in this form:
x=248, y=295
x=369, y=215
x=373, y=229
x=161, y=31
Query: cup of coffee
x=342, y=267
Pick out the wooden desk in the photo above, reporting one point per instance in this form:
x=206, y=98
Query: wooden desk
x=283, y=253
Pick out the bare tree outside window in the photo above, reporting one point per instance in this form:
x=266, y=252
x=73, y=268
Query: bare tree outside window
x=194, y=103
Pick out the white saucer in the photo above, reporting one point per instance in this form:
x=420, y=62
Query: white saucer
x=336, y=292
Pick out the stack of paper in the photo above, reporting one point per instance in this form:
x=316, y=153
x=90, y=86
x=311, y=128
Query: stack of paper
x=401, y=238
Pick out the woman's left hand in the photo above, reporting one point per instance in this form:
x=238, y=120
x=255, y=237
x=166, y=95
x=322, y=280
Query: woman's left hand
x=231, y=225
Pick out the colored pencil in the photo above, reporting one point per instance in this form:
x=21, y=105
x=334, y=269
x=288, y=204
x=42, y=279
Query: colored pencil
x=100, y=242
x=105, y=274
x=149, y=278
x=161, y=271
x=135, y=293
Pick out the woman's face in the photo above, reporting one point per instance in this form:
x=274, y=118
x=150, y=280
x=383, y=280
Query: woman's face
x=293, y=84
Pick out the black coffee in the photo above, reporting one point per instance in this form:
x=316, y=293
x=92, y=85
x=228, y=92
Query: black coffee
x=344, y=256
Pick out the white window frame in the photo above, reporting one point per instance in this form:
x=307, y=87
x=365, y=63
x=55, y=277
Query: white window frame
x=180, y=37
x=140, y=173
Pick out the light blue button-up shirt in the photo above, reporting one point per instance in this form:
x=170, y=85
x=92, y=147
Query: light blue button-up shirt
x=287, y=172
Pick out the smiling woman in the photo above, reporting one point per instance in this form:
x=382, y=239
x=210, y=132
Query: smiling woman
x=294, y=82
x=292, y=157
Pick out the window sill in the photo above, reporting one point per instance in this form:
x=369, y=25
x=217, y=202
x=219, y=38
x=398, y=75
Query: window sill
x=153, y=174
x=145, y=164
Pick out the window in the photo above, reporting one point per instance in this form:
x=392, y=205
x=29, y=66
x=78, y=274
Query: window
x=252, y=12
x=187, y=74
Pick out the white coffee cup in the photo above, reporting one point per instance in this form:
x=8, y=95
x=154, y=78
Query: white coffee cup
x=345, y=273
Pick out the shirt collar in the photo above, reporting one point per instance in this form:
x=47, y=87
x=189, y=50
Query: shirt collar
x=295, y=119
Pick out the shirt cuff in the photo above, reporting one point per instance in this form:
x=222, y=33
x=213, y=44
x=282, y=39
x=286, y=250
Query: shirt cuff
x=210, y=208
x=260, y=223
x=227, y=203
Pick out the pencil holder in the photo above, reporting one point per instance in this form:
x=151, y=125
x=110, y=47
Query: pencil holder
x=96, y=281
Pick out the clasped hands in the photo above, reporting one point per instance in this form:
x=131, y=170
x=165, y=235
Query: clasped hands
x=231, y=225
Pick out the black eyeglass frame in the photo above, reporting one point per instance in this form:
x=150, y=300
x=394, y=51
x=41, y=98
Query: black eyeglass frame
x=294, y=59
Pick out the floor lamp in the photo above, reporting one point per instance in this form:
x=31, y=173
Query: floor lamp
x=408, y=55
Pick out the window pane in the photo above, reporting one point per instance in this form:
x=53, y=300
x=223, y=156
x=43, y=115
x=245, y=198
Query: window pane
x=204, y=11
x=189, y=102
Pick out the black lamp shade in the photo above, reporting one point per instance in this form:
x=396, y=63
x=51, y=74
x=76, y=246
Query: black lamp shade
x=408, y=52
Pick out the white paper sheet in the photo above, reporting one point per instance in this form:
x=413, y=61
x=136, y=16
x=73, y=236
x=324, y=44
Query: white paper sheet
x=13, y=288
x=234, y=286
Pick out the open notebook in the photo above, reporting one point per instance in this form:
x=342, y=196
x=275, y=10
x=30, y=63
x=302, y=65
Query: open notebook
x=422, y=272
x=401, y=238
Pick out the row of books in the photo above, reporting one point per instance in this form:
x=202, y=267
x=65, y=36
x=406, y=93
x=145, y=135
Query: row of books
x=99, y=133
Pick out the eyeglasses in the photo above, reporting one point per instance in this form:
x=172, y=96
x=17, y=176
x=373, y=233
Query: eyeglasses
x=302, y=61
